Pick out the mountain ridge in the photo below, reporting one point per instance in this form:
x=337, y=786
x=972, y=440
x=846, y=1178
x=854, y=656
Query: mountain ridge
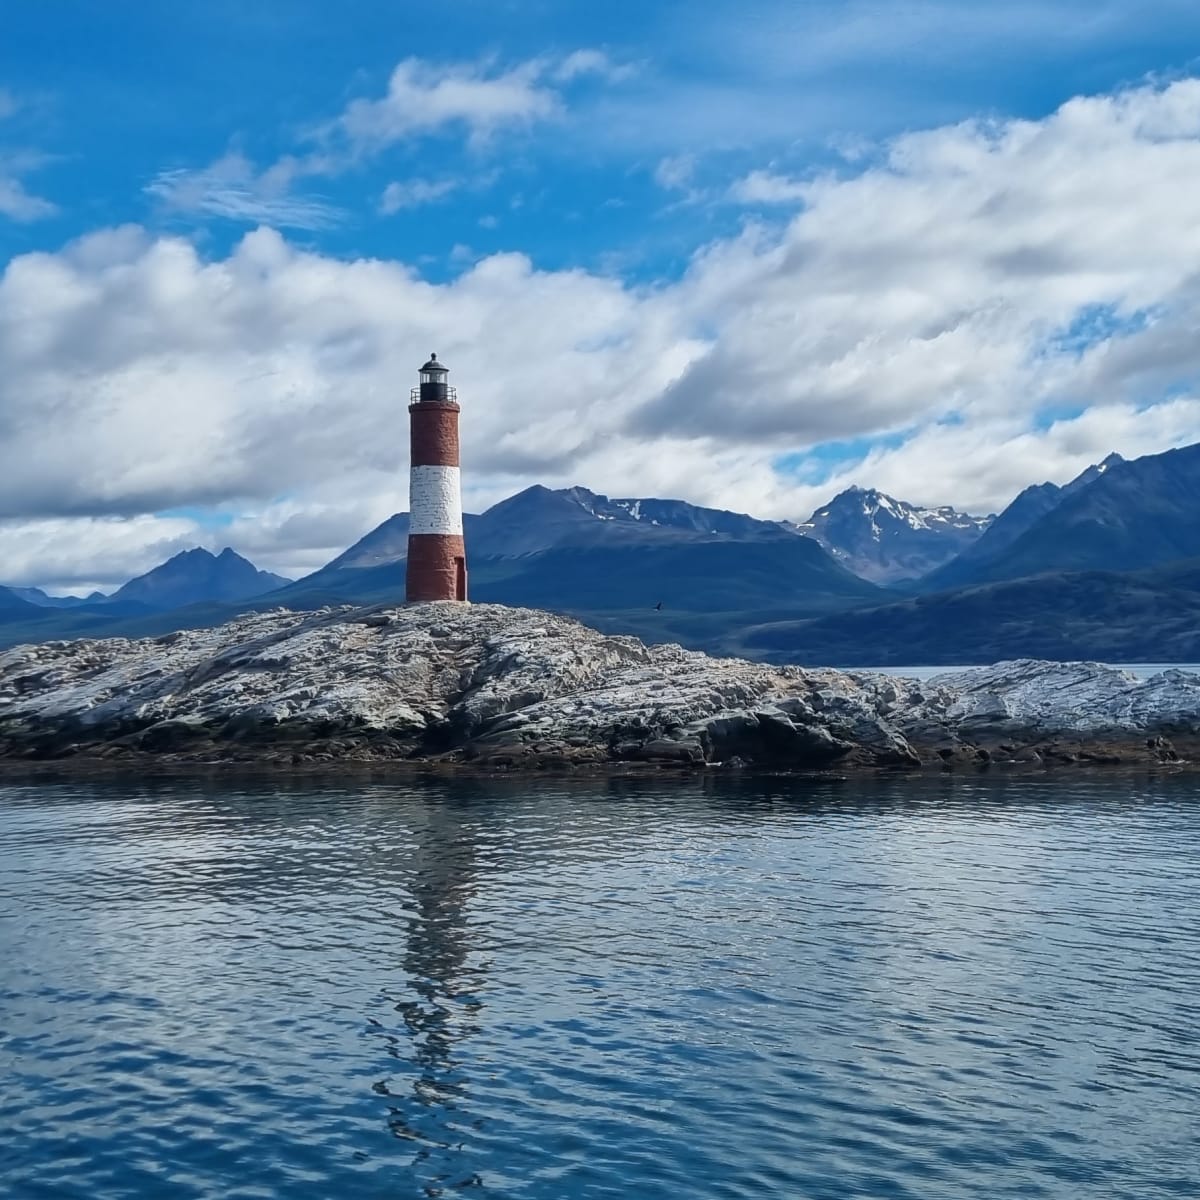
x=1132, y=515
x=1029, y=507
x=538, y=518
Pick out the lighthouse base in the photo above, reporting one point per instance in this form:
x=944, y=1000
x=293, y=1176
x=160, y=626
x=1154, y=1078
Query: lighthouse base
x=437, y=568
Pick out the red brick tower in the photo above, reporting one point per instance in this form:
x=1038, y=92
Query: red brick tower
x=437, y=559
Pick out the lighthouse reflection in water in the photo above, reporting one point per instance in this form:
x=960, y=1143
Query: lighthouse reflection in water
x=437, y=997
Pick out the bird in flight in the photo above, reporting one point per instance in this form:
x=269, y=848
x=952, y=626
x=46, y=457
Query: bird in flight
x=658, y=607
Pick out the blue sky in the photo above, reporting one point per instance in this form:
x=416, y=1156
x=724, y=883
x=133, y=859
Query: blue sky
x=117, y=96
x=666, y=247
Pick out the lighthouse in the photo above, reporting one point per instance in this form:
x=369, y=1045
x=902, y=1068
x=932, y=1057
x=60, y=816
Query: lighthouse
x=437, y=559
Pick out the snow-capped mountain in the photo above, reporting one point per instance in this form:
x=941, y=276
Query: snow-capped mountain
x=887, y=540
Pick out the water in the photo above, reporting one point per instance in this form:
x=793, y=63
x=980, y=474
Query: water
x=733, y=988
x=1141, y=670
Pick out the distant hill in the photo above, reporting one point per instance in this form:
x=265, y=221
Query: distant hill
x=36, y=596
x=1108, y=616
x=195, y=577
x=385, y=543
x=14, y=608
x=696, y=575
x=887, y=540
x=700, y=575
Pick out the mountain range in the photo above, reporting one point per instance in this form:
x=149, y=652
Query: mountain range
x=36, y=596
x=1099, y=567
x=612, y=561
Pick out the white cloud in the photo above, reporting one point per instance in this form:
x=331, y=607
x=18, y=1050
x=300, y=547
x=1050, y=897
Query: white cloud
x=591, y=62
x=86, y=554
x=413, y=193
x=766, y=187
x=140, y=377
x=675, y=172
x=928, y=307
x=234, y=189
x=479, y=98
x=422, y=98
x=935, y=283
x=18, y=203
x=425, y=98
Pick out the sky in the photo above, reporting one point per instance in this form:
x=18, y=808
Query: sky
x=742, y=254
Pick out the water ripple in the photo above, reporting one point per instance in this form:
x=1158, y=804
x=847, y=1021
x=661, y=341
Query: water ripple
x=930, y=989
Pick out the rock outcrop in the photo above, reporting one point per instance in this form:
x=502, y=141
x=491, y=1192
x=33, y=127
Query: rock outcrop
x=505, y=687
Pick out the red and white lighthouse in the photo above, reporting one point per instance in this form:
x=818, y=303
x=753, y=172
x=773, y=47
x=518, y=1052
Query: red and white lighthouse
x=437, y=559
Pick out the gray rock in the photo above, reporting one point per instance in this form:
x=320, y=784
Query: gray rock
x=376, y=620
x=520, y=686
x=663, y=750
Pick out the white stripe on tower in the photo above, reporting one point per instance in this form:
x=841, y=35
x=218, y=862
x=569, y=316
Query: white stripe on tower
x=435, y=500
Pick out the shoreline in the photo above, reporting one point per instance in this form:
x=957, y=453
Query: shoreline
x=495, y=691
x=1108, y=758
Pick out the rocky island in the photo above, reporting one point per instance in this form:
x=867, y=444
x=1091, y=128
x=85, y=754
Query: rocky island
x=510, y=688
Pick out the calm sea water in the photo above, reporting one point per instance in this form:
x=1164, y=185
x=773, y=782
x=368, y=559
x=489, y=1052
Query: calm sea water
x=733, y=988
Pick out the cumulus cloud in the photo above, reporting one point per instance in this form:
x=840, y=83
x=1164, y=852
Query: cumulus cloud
x=142, y=377
x=986, y=306
x=936, y=283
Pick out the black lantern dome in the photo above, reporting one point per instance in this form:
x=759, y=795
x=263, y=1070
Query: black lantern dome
x=433, y=389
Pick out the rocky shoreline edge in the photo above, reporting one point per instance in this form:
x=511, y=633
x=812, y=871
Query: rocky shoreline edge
x=494, y=689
